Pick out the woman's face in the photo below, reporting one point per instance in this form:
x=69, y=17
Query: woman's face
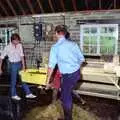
x=56, y=34
x=54, y=37
x=15, y=41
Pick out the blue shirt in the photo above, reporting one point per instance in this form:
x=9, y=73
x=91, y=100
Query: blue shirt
x=67, y=55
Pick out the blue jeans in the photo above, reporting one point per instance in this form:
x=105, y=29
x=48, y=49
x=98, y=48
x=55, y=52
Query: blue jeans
x=14, y=70
x=68, y=83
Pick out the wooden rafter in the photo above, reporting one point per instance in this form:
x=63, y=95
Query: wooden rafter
x=0, y=15
x=20, y=6
x=86, y=3
x=115, y=5
x=51, y=6
x=30, y=6
x=11, y=7
x=74, y=5
x=62, y=4
x=110, y=5
x=3, y=8
x=40, y=5
x=100, y=5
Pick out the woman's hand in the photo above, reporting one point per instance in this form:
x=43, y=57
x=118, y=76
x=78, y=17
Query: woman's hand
x=1, y=71
x=24, y=68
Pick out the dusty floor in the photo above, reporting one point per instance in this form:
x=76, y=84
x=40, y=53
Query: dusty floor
x=42, y=109
x=94, y=109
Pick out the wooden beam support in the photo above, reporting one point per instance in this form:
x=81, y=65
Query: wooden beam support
x=100, y=4
x=63, y=6
x=11, y=7
x=40, y=5
x=51, y=6
x=74, y=5
x=20, y=6
x=1, y=15
x=3, y=8
x=111, y=5
x=115, y=4
x=86, y=3
x=30, y=6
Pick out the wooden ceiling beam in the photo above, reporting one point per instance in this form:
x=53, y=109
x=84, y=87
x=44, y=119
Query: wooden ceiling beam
x=20, y=6
x=11, y=7
x=63, y=6
x=74, y=5
x=115, y=4
x=100, y=4
x=30, y=6
x=1, y=15
x=86, y=3
x=110, y=5
x=3, y=8
x=51, y=6
x=40, y=6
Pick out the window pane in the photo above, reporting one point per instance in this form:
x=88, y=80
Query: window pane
x=93, y=30
x=93, y=44
x=90, y=44
x=111, y=29
x=86, y=30
x=86, y=44
x=107, y=45
x=103, y=30
x=99, y=39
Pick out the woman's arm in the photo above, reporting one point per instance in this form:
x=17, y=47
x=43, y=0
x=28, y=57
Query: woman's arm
x=22, y=57
x=23, y=63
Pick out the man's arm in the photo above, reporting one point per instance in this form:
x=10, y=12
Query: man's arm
x=52, y=63
x=49, y=74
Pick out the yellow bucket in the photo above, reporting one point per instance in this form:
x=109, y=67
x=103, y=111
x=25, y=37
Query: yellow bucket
x=34, y=76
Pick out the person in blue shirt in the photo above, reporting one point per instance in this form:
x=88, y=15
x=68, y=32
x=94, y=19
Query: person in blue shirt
x=67, y=55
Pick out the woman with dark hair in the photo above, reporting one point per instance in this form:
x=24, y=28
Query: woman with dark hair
x=14, y=51
x=67, y=55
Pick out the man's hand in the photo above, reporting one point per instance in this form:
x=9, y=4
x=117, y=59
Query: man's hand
x=48, y=86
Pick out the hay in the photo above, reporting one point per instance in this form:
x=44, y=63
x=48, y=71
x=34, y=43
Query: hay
x=54, y=111
x=51, y=112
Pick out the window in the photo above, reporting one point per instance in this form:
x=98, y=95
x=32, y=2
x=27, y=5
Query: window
x=98, y=39
x=5, y=34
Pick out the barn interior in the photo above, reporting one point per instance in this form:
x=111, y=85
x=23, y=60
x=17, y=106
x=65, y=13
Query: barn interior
x=93, y=25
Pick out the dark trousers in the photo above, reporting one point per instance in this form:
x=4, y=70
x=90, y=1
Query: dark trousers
x=68, y=83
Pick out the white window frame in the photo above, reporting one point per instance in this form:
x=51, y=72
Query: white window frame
x=98, y=34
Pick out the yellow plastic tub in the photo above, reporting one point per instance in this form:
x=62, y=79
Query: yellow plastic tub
x=34, y=76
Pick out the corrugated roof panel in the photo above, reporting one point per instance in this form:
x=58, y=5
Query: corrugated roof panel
x=68, y=5
x=25, y=6
x=16, y=7
x=57, y=5
x=80, y=4
x=46, y=6
x=35, y=6
x=7, y=7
